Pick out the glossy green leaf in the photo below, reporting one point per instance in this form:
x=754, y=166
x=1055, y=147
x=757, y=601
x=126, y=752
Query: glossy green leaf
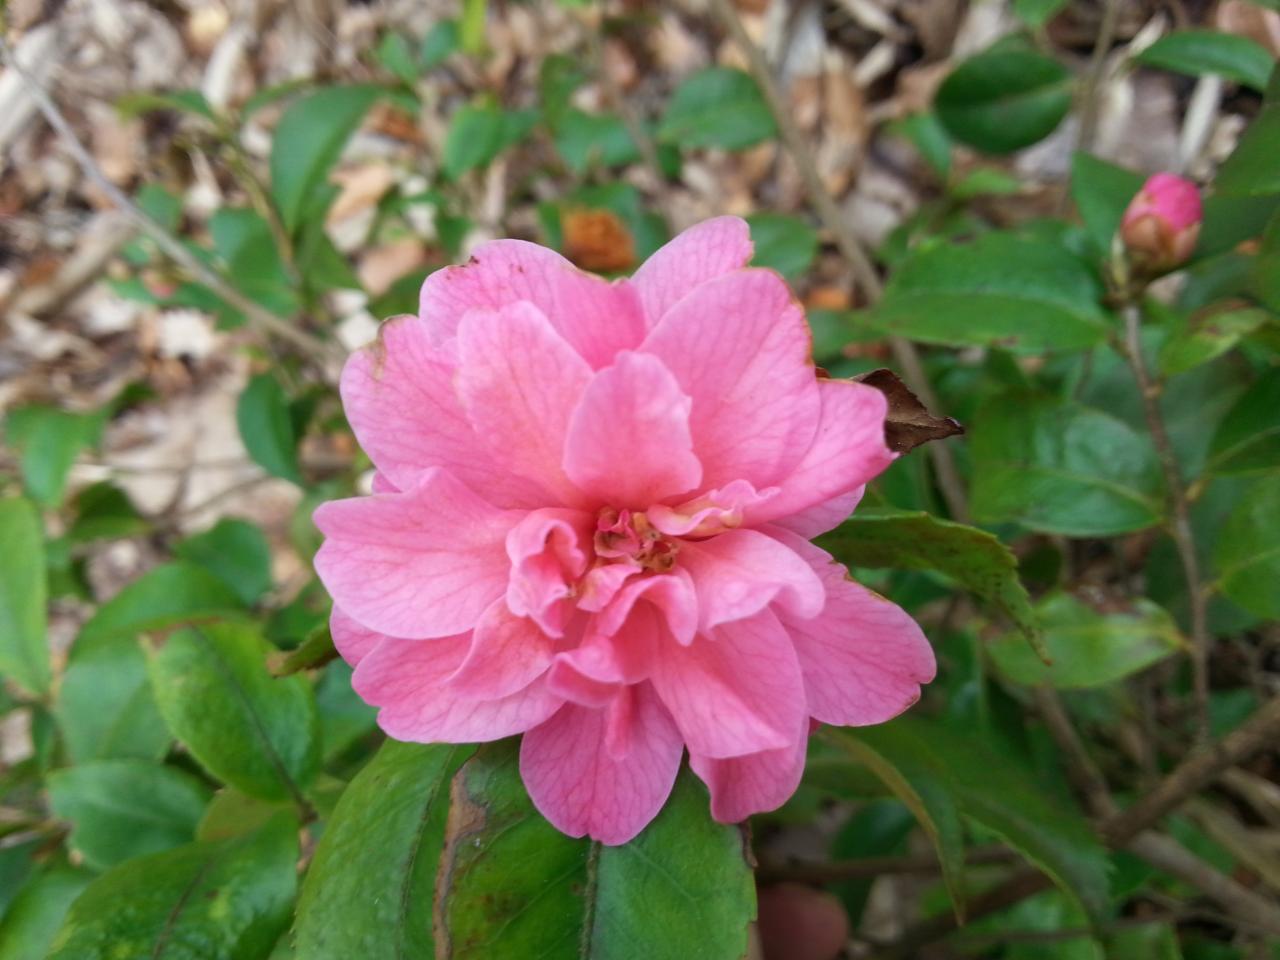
x=1247, y=557
x=308, y=141
x=924, y=788
x=237, y=553
x=49, y=440
x=1003, y=100
x=1087, y=648
x=1062, y=467
x=1036, y=13
x=999, y=290
x=257, y=733
x=717, y=107
x=1208, y=338
x=24, y=646
x=918, y=541
x=262, y=414
x=783, y=243
x=1102, y=191
x=587, y=140
x=233, y=814
x=251, y=257
x=183, y=101
x=438, y=43
x=168, y=594
x=1266, y=267
x=370, y=889
x=1248, y=438
x=105, y=708
x=930, y=138
x=395, y=56
x=33, y=919
x=511, y=885
x=995, y=788
x=121, y=809
x=229, y=900
x=104, y=512
x=478, y=133
x=1197, y=52
x=1150, y=941
x=1251, y=170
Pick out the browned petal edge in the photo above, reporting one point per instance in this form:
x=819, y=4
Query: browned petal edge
x=908, y=423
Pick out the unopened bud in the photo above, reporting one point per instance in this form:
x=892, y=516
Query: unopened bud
x=1161, y=226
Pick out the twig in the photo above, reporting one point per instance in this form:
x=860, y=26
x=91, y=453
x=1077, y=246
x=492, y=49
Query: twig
x=864, y=270
x=1089, y=110
x=868, y=868
x=1180, y=525
x=1084, y=772
x=264, y=320
x=1192, y=775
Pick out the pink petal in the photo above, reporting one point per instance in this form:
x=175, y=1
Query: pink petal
x=739, y=346
x=408, y=679
x=818, y=519
x=734, y=691
x=847, y=452
x=701, y=253
x=712, y=513
x=756, y=783
x=548, y=553
x=585, y=788
x=863, y=657
x=399, y=397
x=624, y=657
x=422, y=563
x=740, y=572
x=629, y=442
x=507, y=653
x=673, y=594
x=519, y=381
x=595, y=317
x=352, y=640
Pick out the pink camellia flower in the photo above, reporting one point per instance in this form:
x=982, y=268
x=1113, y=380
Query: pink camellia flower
x=1162, y=223
x=590, y=526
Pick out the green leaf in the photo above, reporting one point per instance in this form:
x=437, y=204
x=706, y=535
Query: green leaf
x=440, y=41
x=1062, y=467
x=49, y=441
x=1247, y=557
x=168, y=594
x=104, y=512
x=121, y=809
x=308, y=141
x=1248, y=438
x=1150, y=941
x=1251, y=169
x=930, y=138
x=213, y=901
x=1087, y=648
x=1003, y=100
x=1209, y=338
x=783, y=243
x=105, y=708
x=233, y=814
x=717, y=107
x=511, y=885
x=1036, y=13
x=251, y=256
x=478, y=133
x=237, y=553
x=918, y=541
x=259, y=734
x=924, y=788
x=1266, y=267
x=1102, y=191
x=36, y=913
x=1197, y=52
x=1000, y=290
x=394, y=55
x=586, y=140
x=371, y=885
x=183, y=101
x=24, y=646
x=262, y=414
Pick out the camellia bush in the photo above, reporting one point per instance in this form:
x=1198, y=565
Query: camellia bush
x=647, y=610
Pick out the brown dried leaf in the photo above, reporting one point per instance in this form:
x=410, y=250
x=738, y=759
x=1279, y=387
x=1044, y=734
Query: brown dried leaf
x=597, y=240
x=908, y=423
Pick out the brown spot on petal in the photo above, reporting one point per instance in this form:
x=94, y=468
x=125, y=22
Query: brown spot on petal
x=908, y=423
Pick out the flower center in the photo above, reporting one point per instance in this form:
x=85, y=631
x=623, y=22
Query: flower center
x=624, y=535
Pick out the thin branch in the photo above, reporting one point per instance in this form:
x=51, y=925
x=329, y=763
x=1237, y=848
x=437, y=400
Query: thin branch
x=1085, y=775
x=265, y=321
x=1180, y=525
x=868, y=868
x=864, y=270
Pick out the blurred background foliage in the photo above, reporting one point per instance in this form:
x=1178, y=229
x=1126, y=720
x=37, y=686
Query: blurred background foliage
x=184, y=769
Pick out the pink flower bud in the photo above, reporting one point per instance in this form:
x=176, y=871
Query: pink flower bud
x=1160, y=228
